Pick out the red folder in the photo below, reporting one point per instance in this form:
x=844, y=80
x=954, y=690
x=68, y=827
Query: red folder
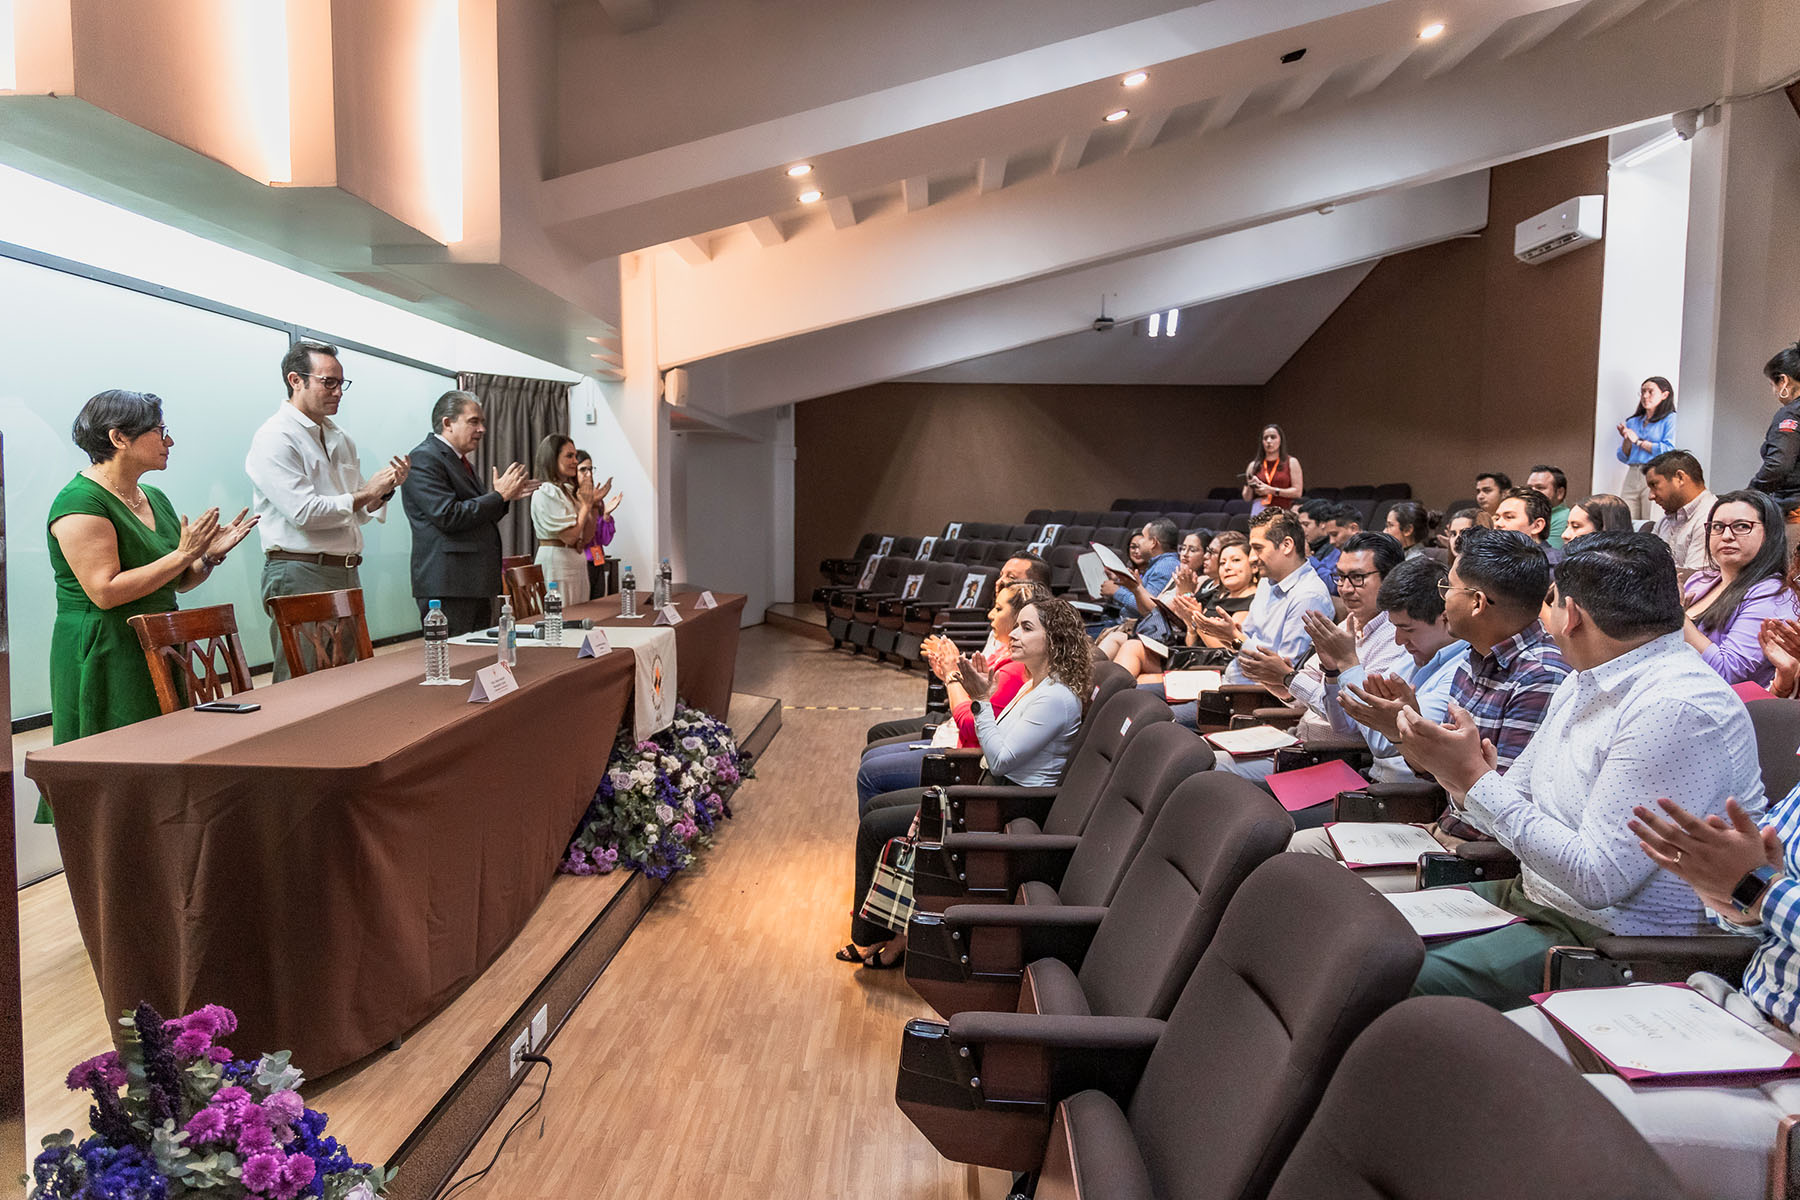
x=1751, y=690
x=1314, y=785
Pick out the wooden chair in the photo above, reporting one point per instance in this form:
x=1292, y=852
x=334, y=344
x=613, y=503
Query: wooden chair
x=329, y=624
x=525, y=588
x=195, y=650
x=514, y=560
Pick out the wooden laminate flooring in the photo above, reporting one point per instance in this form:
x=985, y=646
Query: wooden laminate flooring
x=724, y=1053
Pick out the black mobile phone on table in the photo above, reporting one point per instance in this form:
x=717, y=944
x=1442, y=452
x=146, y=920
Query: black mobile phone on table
x=227, y=706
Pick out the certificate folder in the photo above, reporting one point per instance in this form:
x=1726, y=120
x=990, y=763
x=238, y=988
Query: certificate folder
x=1660, y=1031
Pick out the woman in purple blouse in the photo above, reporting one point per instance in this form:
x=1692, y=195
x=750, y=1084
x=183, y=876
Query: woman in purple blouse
x=1744, y=585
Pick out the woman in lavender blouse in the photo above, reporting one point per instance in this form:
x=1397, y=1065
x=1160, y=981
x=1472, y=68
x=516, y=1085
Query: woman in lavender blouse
x=1745, y=585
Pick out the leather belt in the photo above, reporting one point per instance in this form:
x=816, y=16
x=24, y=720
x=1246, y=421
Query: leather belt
x=345, y=561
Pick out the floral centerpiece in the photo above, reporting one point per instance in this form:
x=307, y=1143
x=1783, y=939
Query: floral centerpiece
x=193, y=1120
x=660, y=798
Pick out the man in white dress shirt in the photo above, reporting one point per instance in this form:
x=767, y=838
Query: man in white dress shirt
x=1640, y=718
x=307, y=486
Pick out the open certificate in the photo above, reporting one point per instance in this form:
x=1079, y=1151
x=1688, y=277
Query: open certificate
x=1449, y=912
x=1659, y=1029
x=1380, y=843
x=1253, y=739
x=1181, y=686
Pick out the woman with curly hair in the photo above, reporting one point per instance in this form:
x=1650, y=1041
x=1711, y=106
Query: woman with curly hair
x=1025, y=746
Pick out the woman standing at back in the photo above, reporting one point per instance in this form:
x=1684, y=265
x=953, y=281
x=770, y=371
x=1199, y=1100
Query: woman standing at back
x=1643, y=435
x=1273, y=479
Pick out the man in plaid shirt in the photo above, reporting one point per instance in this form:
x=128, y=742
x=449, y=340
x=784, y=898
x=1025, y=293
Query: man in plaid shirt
x=1492, y=598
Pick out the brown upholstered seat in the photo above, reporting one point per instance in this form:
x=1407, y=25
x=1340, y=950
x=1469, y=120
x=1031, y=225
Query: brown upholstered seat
x=525, y=588
x=1378, y=1133
x=194, y=654
x=1127, y=959
x=1207, y=1104
x=320, y=630
x=1084, y=869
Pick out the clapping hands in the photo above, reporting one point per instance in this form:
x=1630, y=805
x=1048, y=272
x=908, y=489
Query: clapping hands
x=514, y=483
x=1335, y=646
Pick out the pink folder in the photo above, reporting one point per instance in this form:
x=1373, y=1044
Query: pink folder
x=1635, y=1075
x=1314, y=785
x=1751, y=690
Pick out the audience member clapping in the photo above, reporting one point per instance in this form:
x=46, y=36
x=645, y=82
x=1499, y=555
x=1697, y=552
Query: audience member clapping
x=1641, y=718
x=1744, y=585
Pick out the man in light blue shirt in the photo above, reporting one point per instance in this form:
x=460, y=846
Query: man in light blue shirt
x=1289, y=589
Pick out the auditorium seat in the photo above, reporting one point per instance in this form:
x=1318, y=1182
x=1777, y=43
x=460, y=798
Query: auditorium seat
x=904, y=546
x=1209, y=505
x=194, y=655
x=947, y=550
x=1116, y=536
x=1456, y=506
x=841, y=572
x=1128, y=958
x=1045, y=868
x=1061, y=516
x=972, y=551
x=1116, y=519
x=1039, y=517
x=1545, y=1130
x=1088, y=516
x=999, y=552
x=865, y=606
x=1237, y=508
x=1206, y=1104
x=1238, y=523
x=1323, y=493
x=1356, y=491
x=1364, y=508
x=1124, y=505
x=1064, y=575
x=1075, y=535
x=1024, y=535
x=937, y=585
x=1393, y=491
x=1225, y=493
x=840, y=603
x=1143, y=517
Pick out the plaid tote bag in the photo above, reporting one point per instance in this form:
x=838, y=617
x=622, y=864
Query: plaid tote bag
x=890, y=899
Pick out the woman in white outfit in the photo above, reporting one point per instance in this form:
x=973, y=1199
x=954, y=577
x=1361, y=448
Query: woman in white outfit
x=563, y=515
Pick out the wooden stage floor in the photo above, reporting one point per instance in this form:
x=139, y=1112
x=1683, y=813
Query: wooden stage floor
x=722, y=1053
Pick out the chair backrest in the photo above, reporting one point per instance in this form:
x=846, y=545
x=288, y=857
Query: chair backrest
x=999, y=552
x=320, y=630
x=194, y=655
x=972, y=550
x=1024, y=535
x=903, y=547
x=524, y=560
x=1212, y=504
x=1239, y=522
x=1545, y=1130
x=947, y=550
x=1111, y=722
x=1059, y=516
x=1212, y=832
x=1064, y=576
x=1393, y=491
x=940, y=583
x=1777, y=725
x=1154, y=762
x=1357, y=491
x=1323, y=493
x=1087, y=516
x=1075, y=535
x=1224, y=493
x=1037, y=518
x=984, y=596
x=1305, y=958
x=1114, y=519
x=525, y=588
x=1238, y=507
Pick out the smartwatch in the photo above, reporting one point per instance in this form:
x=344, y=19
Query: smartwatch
x=975, y=707
x=1752, y=887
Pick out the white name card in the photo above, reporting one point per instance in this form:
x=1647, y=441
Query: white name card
x=594, y=644
x=706, y=601
x=668, y=614
x=491, y=683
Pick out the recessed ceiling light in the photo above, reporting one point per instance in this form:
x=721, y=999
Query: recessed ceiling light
x=799, y=169
x=1432, y=30
x=1118, y=114
x=1135, y=78
x=811, y=197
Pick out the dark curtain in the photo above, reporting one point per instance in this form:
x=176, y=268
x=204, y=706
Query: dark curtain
x=520, y=414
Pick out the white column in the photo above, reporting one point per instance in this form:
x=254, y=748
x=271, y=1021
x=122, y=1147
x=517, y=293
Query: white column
x=781, y=532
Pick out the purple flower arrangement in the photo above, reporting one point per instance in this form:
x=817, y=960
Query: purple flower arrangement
x=660, y=799
x=191, y=1120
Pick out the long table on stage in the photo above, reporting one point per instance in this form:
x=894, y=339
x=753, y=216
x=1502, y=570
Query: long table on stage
x=706, y=642
x=337, y=866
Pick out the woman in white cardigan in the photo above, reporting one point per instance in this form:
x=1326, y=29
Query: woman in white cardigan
x=563, y=515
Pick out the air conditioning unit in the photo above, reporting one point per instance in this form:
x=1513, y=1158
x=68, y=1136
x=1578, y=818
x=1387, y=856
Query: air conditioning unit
x=1569, y=226
x=675, y=386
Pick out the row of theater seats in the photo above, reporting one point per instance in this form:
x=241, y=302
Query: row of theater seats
x=1144, y=996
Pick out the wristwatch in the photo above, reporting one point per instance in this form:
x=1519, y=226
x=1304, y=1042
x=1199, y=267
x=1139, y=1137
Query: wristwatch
x=1287, y=681
x=975, y=707
x=1751, y=888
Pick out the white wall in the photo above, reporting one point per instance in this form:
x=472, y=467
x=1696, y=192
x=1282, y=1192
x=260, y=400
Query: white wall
x=1641, y=302
x=735, y=536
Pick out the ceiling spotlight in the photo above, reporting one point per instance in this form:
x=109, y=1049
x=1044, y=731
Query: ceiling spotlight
x=1432, y=30
x=1155, y=324
x=1135, y=79
x=1172, y=320
x=1117, y=115
x=799, y=169
x=811, y=197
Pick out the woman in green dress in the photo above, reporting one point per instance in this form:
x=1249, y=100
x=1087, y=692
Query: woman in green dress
x=118, y=549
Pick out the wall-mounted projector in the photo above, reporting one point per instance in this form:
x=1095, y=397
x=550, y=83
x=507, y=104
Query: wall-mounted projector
x=1569, y=226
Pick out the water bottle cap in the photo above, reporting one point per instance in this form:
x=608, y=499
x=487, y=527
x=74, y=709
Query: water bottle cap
x=552, y=585
x=437, y=604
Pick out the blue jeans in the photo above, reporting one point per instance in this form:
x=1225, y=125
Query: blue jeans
x=888, y=769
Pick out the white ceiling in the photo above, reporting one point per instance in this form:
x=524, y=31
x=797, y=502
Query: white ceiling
x=1242, y=339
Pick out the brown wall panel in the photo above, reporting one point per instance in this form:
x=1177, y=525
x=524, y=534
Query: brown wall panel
x=907, y=457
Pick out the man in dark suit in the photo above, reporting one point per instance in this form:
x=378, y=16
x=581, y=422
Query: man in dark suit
x=455, y=520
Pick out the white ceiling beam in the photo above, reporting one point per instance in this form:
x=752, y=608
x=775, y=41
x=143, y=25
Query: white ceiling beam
x=904, y=343
x=1374, y=72
x=629, y=16
x=1068, y=152
x=1149, y=127
x=841, y=211
x=1532, y=33
x=1299, y=92
x=990, y=174
x=1260, y=171
x=766, y=232
x=1605, y=18
x=1223, y=111
x=691, y=251
x=1461, y=44
x=916, y=192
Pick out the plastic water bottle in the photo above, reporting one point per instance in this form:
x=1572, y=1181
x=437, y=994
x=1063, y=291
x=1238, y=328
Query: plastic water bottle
x=667, y=575
x=659, y=596
x=437, y=643
x=509, y=635
x=627, y=592
x=553, y=615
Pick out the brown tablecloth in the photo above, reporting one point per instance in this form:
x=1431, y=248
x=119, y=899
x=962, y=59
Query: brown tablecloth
x=706, y=643
x=337, y=866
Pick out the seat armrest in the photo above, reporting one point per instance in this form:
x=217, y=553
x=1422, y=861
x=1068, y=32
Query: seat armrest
x=1472, y=862
x=987, y=867
x=1281, y=718
x=1417, y=802
x=1620, y=960
x=1030, y=1057
x=941, y=768
x=984, y=808
x=1005, y=937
